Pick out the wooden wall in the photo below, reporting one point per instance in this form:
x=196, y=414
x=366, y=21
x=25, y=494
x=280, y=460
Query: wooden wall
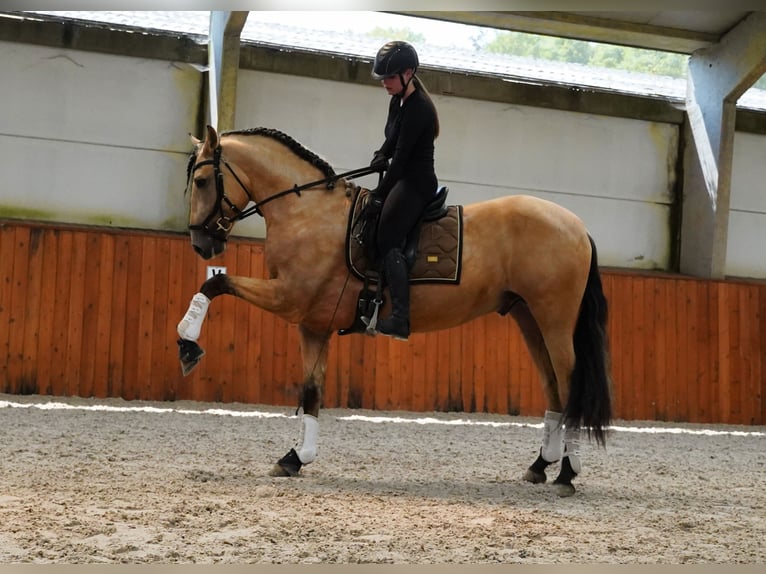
x=93, y=313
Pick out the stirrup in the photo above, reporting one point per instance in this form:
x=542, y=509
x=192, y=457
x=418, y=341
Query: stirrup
x=372, y=322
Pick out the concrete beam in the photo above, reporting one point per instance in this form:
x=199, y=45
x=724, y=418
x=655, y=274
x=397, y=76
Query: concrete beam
x=175, y=47
x=717, y=77
x=223, y=61
x=53, y=32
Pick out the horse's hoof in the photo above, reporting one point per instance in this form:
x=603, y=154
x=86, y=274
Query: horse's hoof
x=535, y=477
x=189, y=353
x=288, y=465
x=564, y=490
x=278, y=470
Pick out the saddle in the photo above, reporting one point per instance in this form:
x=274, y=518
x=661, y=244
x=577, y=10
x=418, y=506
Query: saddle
x=433, y=251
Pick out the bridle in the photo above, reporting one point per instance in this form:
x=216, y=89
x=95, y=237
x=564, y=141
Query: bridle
x=224, y=223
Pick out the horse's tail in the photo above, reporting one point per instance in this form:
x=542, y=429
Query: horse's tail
x=590, y=406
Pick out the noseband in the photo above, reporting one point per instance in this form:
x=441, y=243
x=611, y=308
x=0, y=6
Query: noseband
x=224, y=223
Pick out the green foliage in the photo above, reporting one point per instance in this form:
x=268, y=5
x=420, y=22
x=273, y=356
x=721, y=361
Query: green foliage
x=588, y=53
x=565, y=50
x=397, y=34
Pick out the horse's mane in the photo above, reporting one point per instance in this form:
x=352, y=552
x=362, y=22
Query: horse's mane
x=291, y=144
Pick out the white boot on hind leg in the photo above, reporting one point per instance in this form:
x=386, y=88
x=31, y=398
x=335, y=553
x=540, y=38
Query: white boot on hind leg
x=572, y=449
x=570, y=463
x=551, y=450
x=553, y=437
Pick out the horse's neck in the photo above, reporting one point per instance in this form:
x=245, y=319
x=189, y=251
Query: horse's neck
x=304, y=229
x=315, y=214
x=295, y=222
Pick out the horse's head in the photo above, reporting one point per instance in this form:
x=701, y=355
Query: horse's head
x=218, y=196
x=227, y=172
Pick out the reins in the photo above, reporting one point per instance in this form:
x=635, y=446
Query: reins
x=296, y=189
x=224, y=223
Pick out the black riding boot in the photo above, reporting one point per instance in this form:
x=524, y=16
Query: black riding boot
x=397, y=276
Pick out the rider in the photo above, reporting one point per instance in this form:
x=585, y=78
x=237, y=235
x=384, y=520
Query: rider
x=410, y=181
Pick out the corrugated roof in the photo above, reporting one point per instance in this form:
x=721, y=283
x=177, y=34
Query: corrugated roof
x=347, y=42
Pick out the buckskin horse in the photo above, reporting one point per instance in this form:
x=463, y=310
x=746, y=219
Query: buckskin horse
x=525, y=257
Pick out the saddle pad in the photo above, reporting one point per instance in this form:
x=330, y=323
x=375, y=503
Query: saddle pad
x=439, y=253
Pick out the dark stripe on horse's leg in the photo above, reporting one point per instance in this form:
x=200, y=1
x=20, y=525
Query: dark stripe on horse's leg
x=217, y=285
x=310, y=397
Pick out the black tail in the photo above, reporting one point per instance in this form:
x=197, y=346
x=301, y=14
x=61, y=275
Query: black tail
x=590, y=404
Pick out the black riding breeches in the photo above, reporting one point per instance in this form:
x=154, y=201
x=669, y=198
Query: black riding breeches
x=402, y=209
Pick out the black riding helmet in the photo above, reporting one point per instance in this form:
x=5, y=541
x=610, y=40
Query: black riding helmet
x=393, y=58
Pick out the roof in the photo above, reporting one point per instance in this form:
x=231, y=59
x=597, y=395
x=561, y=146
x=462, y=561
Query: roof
x=338, y=39
x=674, y=31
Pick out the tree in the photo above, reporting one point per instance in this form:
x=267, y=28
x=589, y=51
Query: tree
x=588, y=53
x=397, y=34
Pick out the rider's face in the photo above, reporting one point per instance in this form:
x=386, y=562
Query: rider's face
x=393, y=83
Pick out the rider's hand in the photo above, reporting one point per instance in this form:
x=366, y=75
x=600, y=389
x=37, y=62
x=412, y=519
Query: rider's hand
x=379, y=162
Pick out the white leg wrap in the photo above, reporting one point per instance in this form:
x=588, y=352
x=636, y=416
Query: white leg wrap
x=572, y=448
x=308, y=449
x=553, y=437
x=191, y=325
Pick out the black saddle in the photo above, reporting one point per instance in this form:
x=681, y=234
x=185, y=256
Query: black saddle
x=436, y=209
x=369, y=299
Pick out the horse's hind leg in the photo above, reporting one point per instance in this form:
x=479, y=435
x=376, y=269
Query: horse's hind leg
x=314, y=351
x=551, y=449
x=562, y=357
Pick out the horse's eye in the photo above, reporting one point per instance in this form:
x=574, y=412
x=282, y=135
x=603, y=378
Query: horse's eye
x=200, y=181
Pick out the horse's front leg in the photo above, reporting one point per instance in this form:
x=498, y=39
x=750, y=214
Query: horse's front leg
x=263, y=293
x=314, y=349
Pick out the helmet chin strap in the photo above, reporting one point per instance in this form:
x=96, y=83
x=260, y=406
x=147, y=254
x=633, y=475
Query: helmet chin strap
x=405, y=85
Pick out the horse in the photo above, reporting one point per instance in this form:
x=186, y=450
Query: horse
x=528, y=258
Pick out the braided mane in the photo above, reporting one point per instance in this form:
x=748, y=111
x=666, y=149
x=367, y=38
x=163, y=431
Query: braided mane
x=291, y=144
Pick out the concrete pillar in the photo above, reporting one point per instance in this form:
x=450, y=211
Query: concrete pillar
x=717, y=77
x=223, y=62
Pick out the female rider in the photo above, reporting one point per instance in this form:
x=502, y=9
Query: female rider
x=410, y=181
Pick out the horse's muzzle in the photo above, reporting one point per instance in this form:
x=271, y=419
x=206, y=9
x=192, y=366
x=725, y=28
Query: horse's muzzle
x=206, y=246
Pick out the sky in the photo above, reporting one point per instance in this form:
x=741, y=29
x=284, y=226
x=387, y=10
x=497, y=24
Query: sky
x=446, y=45
x=436, y=33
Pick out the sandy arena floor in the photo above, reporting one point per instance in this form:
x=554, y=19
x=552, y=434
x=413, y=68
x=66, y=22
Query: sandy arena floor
x=171, y=483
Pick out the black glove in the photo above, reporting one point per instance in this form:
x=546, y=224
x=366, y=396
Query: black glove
x=379, y=161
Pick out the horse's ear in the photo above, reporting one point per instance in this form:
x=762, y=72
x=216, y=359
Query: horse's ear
x=196, y=142
x=212, y=137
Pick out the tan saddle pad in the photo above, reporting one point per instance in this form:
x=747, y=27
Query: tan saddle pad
x=438, y=257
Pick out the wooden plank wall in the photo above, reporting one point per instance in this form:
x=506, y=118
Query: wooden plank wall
x=93, y=313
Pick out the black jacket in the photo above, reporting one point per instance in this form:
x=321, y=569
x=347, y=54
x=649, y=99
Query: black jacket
x=410, y=131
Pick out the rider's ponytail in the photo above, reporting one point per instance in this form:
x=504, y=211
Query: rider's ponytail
x=421, y=86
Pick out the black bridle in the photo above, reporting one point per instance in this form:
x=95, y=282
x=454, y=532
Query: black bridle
x=224, y=223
